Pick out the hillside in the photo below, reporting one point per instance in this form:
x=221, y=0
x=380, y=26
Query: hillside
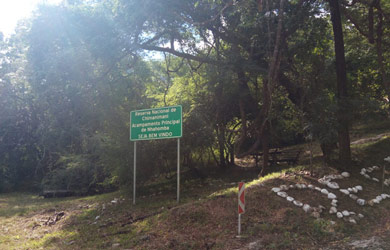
x=206, y=218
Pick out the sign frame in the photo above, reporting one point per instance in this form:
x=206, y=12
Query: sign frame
x=166, y=127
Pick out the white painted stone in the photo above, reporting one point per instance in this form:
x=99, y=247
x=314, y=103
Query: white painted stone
x=375, y=179
x=339, y=215
x=333, y=185
x=376, y=201
x=379, y=198
x=367, y=176
x=354, y=189
x=350, y=190
x=353, y=197
x=352, y=221
x=318, y=189
x=361, y=202
x=289, y=198
x=332, y=196
x=282, y=194
x=360, y=216
x=324, y=191
x=275, y=189
x=332, y=210
x=332, y=223
x=306, y=208
x=359, y=188
x=298, y=203
x=310, y=186
x=303, y=186
x=335, y=201
x=344, y=191
x=363, y=170
x=345, y=213
x=345, y=174
x=384, y=196
x=370, y=169
x=283, y=187
x=387, y=159
x=291, y=186
x=323, y=181
x=375, y=167
x=352, y=213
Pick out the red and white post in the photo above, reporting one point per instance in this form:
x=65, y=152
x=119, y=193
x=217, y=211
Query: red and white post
x=241, y=203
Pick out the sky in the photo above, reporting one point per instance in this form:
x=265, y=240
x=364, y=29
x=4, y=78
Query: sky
x=13, y=10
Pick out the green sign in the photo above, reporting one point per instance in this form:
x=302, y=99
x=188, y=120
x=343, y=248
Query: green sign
x=159, y=123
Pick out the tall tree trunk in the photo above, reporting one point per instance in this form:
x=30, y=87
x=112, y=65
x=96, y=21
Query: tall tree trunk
x=342, y=89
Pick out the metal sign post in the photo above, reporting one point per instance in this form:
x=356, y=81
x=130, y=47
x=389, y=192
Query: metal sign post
x=152, y=124
x=241, y=203
x=135, y=171
x=178, y=170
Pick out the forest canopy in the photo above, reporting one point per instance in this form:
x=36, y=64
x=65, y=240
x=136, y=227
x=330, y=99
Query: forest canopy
x=250, y=75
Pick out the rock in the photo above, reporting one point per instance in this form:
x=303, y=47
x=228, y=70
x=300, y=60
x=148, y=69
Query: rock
x=283, y=187
x=282, y=194
x=387, y=159
x=350, y=190
x=352, y=221
x=318, y=189
x=363, y=170
x=306, y=208
x=298, y=185
x=292, y=186
x=359, y=188
x=332, y=210
x=275, y=189
x=375, y=179
x=352, y=213
x=333, y=185
x=332, y=196
x=332, y=223
x=320, y=207
x=379, y=198
x=97, y=217
x=289, y=198
x=315, y=215
x=115, y=201
x=303, y=186
x=345, y=174
x=298, y=203
x=323, y=181
x=367, y=176
x=324, y=191
x=361, y=202
x=310, y=186
x=116, y=245
x=376, y=201
x=344, y=191
x=354, y=190
x=370, y=169
x=339, y=215
x=345, y=213
x=375, y=167
x=371, y=202
x=353, y=197
x=360, y=216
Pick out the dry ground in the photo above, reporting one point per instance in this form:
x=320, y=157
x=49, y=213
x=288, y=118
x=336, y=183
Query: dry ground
x=206, y=218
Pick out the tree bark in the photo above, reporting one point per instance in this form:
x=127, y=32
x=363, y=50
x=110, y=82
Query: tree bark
x=342, y=88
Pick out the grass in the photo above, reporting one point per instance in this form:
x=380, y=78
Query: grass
x=205, y=218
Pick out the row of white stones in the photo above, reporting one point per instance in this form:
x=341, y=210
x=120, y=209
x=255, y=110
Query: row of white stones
x=328, y=181
x=365, y=172
x=316, y=211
